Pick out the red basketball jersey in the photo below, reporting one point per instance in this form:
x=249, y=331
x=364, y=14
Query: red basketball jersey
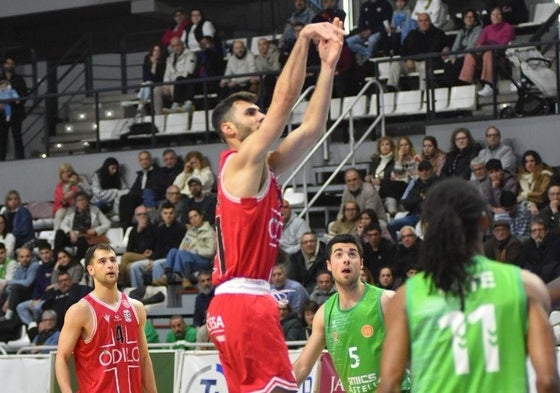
x=109, y=360
x=248, y=231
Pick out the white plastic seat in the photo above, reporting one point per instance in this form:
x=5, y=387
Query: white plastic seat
x=462, y=98
x=22, y=341
x=389, y=103
x=176, y=123
x=335, y=108
x=198, y=123
x=48, y=236
x=358, y=110
x=408, y=102
x=441, y=100
x=372, y=111
x=295, y=199
x=299, y=112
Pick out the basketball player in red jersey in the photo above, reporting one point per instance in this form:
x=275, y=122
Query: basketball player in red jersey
x=243, y=320
x=105, y=331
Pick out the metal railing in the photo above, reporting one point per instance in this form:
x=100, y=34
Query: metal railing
x=353, y=145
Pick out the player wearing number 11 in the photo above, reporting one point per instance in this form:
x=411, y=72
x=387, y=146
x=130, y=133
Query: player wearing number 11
x=466, y=323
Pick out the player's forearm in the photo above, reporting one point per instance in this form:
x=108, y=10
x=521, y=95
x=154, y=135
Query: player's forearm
x=314, y=121
x=62, y=370
x=301, y=372
x=290, y=81
x=148, y=377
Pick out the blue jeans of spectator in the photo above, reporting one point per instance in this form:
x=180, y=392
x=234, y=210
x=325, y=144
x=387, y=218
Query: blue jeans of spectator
x=365, y=47
x=28, y=313
x=185, y=262
x=138, y=270
x=394, y=226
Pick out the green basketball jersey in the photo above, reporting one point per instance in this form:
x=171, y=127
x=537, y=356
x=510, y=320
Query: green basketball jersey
x=480, y=349
x=355, y=338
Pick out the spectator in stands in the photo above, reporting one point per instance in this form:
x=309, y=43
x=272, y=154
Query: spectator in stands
x=432, y=153
x=8, y=267
x=146, y=189
x=179, y=331
x=196, y=165
x=496, y=149
x=18, y=220
x=6, y=93
x=498, y=181
x=382, y=162
x=65, y=192
x=463, y=148
x=538, y=251
x=30, y=310
x=519, y=214
x=205, y=203
x=367, y=276
x=436, y=11
x=21, y=284
x=367, y=217
x=177, y=30
x=168, y=235
x=404, y=170
x=513, y=11
x=172, y=167
x=152, y=336
x=195, y=253
x=534, y=176
x=308, y=261
x=17, y=111
x=210, y=63
x=7, y=239
x=173, y=196
x=374, y=25
x=401, y=14
x=65, y=263
x=202, y=300
x=267, y=61
x=550, y=213
x=502, y=246
x=48, y=331
x=408, y=252
x=292, y=327
x=329, y=12
x=387, y=279
x=200, y=27
x=153, y=70
x=293, y=229
x=348, y=222
x=83, y=225
x=378, y=251
x=309, y=311
x=479, y=173
x=107, y=186
x=426, y=38
x=414, y=197
x=363, y=194
x=324, y=288
x=240, y=62
x=300, y=15
x=180, y=66
x=140, y=246
x=466, y=38
x=285, y=289
x=497, y=33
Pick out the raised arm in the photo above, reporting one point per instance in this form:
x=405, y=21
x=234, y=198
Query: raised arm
x=313, y=125
x=313, y=348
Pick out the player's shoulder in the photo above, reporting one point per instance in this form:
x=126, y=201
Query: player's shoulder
x=79, y=311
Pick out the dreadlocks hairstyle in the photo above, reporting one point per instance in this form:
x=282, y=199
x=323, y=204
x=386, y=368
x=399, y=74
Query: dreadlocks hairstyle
x=451, y=216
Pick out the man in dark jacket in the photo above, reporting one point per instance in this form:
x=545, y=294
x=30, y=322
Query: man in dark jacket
x=414, y=197
x=539, y=254
x=308, y=261
x=378, y=251
x=502, y=246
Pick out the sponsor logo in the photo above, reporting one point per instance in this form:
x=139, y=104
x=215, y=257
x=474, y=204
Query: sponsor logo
x=210, y=379
x=367, y=331
x=113, y=357
x=107, y=318
x=127, y=316
x=335, y=336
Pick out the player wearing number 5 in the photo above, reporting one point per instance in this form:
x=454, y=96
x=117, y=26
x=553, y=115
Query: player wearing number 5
x=351, y=322
x=466, y=323
x=105, y=331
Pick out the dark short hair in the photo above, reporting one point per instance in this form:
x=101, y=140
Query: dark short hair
x=494, y=165
x=2, y=246
x=344, y=238
x=167, y=205
x=508, y=199
x=373, y=226
x=222, y=110
x=90, y=251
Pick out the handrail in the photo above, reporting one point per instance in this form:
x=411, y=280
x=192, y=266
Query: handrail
x=327, y=134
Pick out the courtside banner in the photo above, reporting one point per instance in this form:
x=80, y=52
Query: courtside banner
x=329, y=381
x=202, y=373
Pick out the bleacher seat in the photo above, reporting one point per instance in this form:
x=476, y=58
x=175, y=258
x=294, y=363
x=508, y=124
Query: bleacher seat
x=335, y=108
x=441, y=100
x=198, y=121
x=298, y=112
x=389, y=103
x=462, y=98
x=48, y=236
x=408, y=102
x=372, y=111
x=176, y=123
x=359, y=108
x=541, y=14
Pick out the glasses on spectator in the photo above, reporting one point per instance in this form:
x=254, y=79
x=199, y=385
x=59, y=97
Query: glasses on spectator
x=478, y=169
x=141, y=214
x=539, y=229
x=550, y=193
x=492, y=135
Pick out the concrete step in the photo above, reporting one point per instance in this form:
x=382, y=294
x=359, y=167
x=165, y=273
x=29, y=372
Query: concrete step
x=111, y=97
